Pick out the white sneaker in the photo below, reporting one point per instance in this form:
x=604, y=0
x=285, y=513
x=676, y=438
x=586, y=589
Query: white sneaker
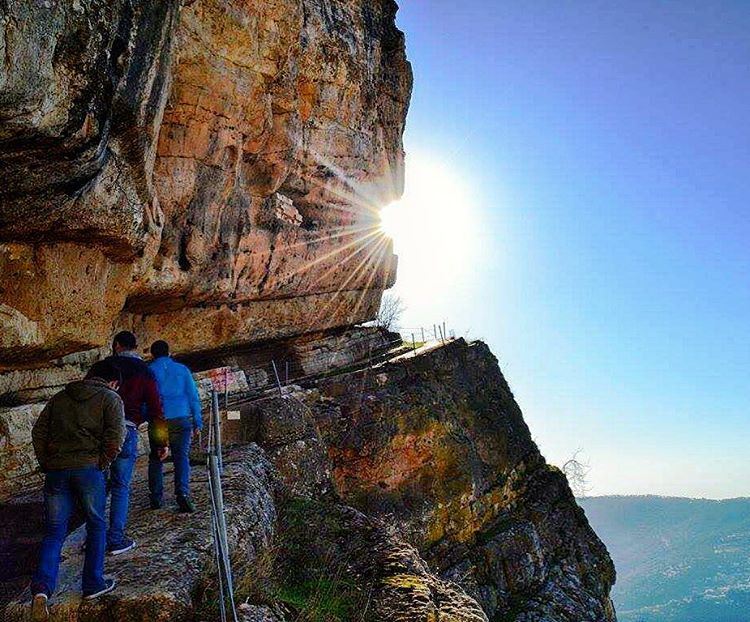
x=39, y=608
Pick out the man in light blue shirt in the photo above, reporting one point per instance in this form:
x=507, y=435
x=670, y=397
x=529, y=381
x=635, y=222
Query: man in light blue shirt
x=182, y=410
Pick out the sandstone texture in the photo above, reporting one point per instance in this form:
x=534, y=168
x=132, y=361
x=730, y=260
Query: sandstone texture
x=206, y=171
x=17, y=460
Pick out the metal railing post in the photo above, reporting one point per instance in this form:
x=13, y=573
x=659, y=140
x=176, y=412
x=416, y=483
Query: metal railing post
x=278, y=380
x=220, y=531
x=215, y=421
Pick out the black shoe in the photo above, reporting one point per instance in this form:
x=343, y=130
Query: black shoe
x=155, y=504
x=109, y=585
x=123, y=547
x=39, y=608
x=186, y=505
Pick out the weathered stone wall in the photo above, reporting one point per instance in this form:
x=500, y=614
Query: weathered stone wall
x=146, y=147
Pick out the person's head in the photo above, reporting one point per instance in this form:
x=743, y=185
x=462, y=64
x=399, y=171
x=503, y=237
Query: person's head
x=124, y=341
x=159, y=348
x=106, y=372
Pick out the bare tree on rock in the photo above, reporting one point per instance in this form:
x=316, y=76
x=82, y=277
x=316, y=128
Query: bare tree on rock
x=391, y=309
x=577, y=471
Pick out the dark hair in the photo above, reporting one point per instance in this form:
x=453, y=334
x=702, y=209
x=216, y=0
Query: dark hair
x=126, y=339
x=105, y=370
x=159, y=348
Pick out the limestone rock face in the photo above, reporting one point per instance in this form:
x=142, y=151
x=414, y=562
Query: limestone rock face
x=17, y=460
x=207, y=171
x=437, y=444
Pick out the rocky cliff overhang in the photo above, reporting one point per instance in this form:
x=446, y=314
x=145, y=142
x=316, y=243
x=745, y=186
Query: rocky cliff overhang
x=205, y=171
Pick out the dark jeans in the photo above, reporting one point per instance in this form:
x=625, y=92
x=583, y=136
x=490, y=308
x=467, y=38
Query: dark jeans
x=180, y=434
x=120, y=474
x=61, y=490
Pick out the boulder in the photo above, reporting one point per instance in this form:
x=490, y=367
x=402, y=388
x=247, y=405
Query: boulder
x=285, y=428
x=436, y=444
x=18, y=464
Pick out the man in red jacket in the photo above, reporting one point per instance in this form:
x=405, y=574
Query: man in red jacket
x=140, y=396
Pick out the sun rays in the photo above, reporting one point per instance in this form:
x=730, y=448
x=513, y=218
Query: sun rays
x=357, y=253
x=432, y=228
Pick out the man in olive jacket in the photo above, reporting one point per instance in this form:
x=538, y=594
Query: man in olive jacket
x=78, y=434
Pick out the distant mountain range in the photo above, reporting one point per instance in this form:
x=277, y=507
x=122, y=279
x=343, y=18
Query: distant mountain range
x=677, y=560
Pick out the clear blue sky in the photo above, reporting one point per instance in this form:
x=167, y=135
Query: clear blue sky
x=607, y=145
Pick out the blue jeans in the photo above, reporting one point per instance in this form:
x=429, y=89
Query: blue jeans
x=120, y=474
x=180, y=434
x=61, y=490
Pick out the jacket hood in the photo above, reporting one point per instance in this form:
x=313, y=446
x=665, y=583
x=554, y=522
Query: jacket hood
x=84, y=390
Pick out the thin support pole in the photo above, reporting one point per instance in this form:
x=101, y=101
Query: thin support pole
x=442, y=335
x=445, y=332
x=216, y=421
x=278, y=380
x=434, y=332
x=423, y=339
x=226, y=389
x=219, y=573
x=286, y=365
x=217, y=503
x=414, y=344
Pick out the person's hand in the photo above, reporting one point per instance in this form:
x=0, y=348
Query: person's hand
x=162, y=453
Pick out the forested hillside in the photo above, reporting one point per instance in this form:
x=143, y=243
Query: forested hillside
x=677, y=560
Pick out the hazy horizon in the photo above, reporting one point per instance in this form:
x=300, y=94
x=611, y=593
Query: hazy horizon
x=667, y=497
x=601, y=248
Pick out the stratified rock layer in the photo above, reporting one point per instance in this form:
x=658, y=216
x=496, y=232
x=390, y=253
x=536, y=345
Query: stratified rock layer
x=206, y=171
